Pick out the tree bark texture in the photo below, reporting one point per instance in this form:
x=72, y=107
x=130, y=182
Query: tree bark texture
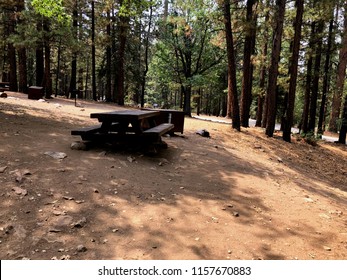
x=293, y=70
x=232, y=84
x=316, y=76
x=273, y=71
x=249, y=49
x=340, y=79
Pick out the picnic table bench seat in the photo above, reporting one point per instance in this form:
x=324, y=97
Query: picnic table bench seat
x=87, y=132
x=160, y=129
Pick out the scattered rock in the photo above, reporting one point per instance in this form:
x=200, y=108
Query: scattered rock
x=2, y=169
x=68, y=198
x=131, y=159
x=203, y=133
x=326, y=248
x=82, y=146
x=54, y=230
x=81, y=223
x=59, y=213
x=56, y=155
x=81, y=248
x=20, y=191
x=8, y=229
x=62, y=221
x=82, y=178
x=163, y=161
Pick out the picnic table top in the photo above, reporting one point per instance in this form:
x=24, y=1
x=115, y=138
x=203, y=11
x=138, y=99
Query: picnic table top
x=124, y=115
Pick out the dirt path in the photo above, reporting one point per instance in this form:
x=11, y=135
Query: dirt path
x=231, y=196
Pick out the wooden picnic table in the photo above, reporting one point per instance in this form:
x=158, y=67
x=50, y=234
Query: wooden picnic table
x=125, y=126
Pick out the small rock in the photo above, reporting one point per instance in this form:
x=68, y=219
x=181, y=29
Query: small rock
x=81, y=223
x=81, y=248
x=82, y=178
x=326, y=248
x=2, y=169
x=20, y=191
x=203, y=133
x=68, y=198
x=58, y=213
x=56, y=155
x=54, y=230
x=62, y=221
x=280, y=160
x=65, y=257
x=163, y=161
x=131, y=159
x=307, y=199
x=236, y=214
x=79, y=146
x=3, y=95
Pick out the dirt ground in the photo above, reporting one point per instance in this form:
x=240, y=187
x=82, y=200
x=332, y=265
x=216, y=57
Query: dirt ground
x=231, y=196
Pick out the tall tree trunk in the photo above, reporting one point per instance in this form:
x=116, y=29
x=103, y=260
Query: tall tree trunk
x=293, y=71
x=316, y=76
x=47, y=76
x=343, y=131
x=166, y=9
x=273, y=71
x=261, y=117
x=249, y=48
x=73, y=80
x=108, y=59
x=22, y=65
x=326, y=78
x=13, y=67
x=39, y=58
x=144, y=75
x=22, y=56
x=123, y=28
x=261, y=97
x=11, y=51
x=340, y=79
x=93, y=54
x=306, y=108
x=232, y=84
x=57, y=76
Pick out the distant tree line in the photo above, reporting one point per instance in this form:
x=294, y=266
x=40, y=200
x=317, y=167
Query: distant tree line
x=273, y=60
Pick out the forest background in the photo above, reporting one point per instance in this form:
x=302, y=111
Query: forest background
x=275, y=61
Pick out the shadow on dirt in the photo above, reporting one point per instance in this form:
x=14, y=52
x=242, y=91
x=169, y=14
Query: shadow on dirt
x=185, y=202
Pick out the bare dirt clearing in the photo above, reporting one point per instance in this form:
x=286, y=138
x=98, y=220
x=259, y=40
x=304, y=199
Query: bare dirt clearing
x=231, y=196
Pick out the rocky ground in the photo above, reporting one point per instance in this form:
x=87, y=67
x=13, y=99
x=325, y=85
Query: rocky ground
x=231, y=196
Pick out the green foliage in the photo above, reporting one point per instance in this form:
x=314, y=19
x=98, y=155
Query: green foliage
x=310, y=138
x=52, y=9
